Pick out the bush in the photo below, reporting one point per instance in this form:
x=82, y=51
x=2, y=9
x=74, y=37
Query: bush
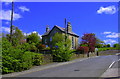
x=83, y=49
x=26, y=59
x=37, y=59
x=62, y=53
x=14, y=59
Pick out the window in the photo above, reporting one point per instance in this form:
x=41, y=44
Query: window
x=45, y=41
x=72, y=42
x=55, y=31
x=51, y=38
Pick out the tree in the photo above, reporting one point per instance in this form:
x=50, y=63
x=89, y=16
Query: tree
x=99, y=43
x=40, y=47
x=33, y=38
x=17, y=36
x=108, y=45
x=57, y=38
x=116, y=45
x=83, y=50
x=61, y=48
x=90, y=40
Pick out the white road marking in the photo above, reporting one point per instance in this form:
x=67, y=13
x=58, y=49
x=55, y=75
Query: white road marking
x=118, y=60
x=111, y=64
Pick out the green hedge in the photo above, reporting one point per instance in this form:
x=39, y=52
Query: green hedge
x=108, y=48
x=14, y=59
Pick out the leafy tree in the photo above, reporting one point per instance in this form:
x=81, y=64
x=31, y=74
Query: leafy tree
x=99, y=43
x=33, y=38
x=17, y=36
x=108, y=45
x=41, y=46
x=57, y=38
x=33, y=47
x=90, y=40
x=83, y=49
x=61, y=50
x=116, y=45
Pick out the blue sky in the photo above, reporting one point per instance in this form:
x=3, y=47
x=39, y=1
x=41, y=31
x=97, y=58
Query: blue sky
x=100, y=18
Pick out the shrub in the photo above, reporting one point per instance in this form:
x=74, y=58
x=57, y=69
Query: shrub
x=83, y=49
x=61, y=53
x=41, y=46
x=14, y=59
x=37, y=59
x=26, y=59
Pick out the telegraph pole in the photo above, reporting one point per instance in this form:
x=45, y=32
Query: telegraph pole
x=11, y=23
x=65, y=33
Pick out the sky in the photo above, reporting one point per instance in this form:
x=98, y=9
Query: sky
x=100, y=18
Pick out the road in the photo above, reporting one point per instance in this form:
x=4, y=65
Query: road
x=92, y=67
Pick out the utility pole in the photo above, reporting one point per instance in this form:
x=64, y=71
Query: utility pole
x=11, y=23
x=65, y=32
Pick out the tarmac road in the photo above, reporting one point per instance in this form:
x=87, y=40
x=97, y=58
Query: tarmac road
x=92, y=67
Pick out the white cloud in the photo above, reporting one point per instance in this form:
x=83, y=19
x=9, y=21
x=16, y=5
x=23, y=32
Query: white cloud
x=113, y=35
x=6, y=15
x=23, y=8
x=6, y=29
x=107, y=10
x=106, y=32
x=7, y=3
x=33, y=32
x=7, y=22
x=110, y=41
x=7, y=0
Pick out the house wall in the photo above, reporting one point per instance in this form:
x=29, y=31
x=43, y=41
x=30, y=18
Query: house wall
x=54, y=30
x=48, y=37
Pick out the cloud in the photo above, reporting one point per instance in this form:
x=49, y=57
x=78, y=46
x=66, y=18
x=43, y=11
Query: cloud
x=106, y=32
x=7, y=0
x=7, y=3
x=6, y=15
x=110, y=41
x=107, y=10
x=33, y=32
x=7, y=22
x=6, y=29
x=113, y=35
x=23, y=9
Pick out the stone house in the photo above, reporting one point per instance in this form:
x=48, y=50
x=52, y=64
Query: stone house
x=47, y=36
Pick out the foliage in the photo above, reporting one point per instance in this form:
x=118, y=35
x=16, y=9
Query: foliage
x=24, y=47
x=41, y=46
x=108, y=45
x=17, y=36
x=61, y=50
x=37, y=59
x=83, y=49
x=116, y=45
x=16, y=59
x=33, y=48
x=33, y=38
x=104, y=49
x=57, y=38
x=90, y=40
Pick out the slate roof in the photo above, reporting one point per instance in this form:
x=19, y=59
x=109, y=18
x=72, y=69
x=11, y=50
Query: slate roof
x=62, y=29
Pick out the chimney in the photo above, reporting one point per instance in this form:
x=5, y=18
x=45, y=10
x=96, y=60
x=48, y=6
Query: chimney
x=69, y=27
x=47, y=28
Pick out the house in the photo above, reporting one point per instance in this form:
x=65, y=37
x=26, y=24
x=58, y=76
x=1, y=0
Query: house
x=47, y=36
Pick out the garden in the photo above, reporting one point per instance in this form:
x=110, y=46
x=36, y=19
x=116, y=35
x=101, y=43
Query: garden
x=20, y=52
